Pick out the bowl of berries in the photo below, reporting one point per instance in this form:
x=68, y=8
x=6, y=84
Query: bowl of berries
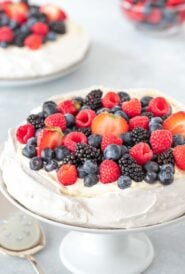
x=150, y=15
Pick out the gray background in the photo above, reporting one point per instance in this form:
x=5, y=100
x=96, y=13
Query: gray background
x=120, y=57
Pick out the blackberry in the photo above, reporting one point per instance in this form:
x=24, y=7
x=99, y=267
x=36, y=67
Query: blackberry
x=148, y=114
x=130, y=168
x=58, y=27
x=86, y=152
x=19, y=39
x=166, y=157
x=40, y=17
x=86, y=131
x=36, y=120
x=139, y=134
x=71, y=159
x=93, y=99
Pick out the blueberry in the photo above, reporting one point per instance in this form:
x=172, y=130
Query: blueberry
x=3, y=45
x=49, y=108
x=61, y=152
x=70, y=119
x=124, y=182
x=51, y=165
x=4, y=20
x=124, y=96
x=90, y=180
x=29, y=151
x=156, y=120
x=154, y=127
x=150, y=177
x=151, y=167
x=113, y=152
x=168, y=168
x=85, y=107
x=95, y=140
x=36, y=163
x=127, y=138
x=67, y=131
x=90, y=167
x=122, y=114
x=13, y=24
x=146, y=100
x=47, y=154
x=30, y=22
x=124, y=150
x=79, y=100
x=51, y=36
x=37, y=132
x=166, y=178
x=24, y=28
x=81, y=172
x=115, y=108
x=178, y=140
x=32, y=141
x=103, y=110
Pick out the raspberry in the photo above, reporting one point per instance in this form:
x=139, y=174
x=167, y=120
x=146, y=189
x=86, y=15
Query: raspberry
x=67, y=174
x=33, y=41
x=69, y=106
x=6, y=34
x=110, y=139
x=141, y=153
x=111, y=99
x=56, y=120
x=139, y=121
x=179, y=155
x=161, y=140
x=24, y=133
x=73, y=138
x=158, y=106
x=132, y=108
x=109, y=172
x=84, y=118
x=40, y=28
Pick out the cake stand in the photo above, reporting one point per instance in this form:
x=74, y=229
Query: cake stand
x=101, y=251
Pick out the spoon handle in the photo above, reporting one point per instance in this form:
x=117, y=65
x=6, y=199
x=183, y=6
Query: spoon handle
x=35, y=265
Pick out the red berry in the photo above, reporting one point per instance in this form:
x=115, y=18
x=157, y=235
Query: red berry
x=161, y=140
x=159, y=106
x=139, y=121
x=67, y=174
x=155, y=16
x=40, y=28
x=73, y=138
x=24, y=133
x=110, y=139
x=6, y=34
x=111, y=99
x=33, y=41
x=141, y=153
x=179, y=155
x=109, y=172
x=56, y=120
x=17, y=11
x=53, y=13
x=84, y=118
x=132, y=108
x=69, y=106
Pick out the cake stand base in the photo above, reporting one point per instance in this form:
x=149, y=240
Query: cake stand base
x=86, y=253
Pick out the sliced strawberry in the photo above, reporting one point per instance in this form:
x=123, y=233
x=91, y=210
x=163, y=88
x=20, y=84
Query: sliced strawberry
x=17, y=11
x=53, y=13
x=176, y=123
x=49, y=138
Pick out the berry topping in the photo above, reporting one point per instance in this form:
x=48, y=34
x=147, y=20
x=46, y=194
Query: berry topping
x=36, y=163
x=47, y=154
x=90, y=180
x=139, y=134
x=165, y=157
x=124, y=96
x=69, y=106
x=86, y=152
x=49, y=138
x=36, y=120
x=93, y=99
x=33, y=41
x=53, y=13
x=90, y=167
x=67, y=174
x=107, y=123
x=179, y=155
x=95, y=140
x=141, y=153
x=112, y=152
x=111, y=99
x=124, y=182
x=166, y=178
x=51, y=165
x=24, y=133
x=176, y=123
x=145, y=100
x=40, y=28
x=6, y=34
x=132, y=108
x=17, y=11
x=29, y=151
x=110, y=139
x=73, y=138
x=160, y=140
x=109, y=172
x=61, y=152
x=151, y=167
x=56, y=120
x=150, y=177
x=159, y=106
x=178, y=140
x=84, y=118
x=139, y=121
x=49, y=107
x=70, y=120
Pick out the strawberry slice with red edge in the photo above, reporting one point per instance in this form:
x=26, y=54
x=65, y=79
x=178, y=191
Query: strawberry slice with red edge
x=17, y=11
x=53, y=13
x=49, y=138
x=176, y=123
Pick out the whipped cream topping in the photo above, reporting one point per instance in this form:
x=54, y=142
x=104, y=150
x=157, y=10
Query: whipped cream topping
x=103, y=205
x=51, y=58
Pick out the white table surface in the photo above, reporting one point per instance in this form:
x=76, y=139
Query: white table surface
x=120, y=57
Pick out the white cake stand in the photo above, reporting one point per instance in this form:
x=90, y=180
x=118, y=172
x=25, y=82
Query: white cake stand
x=101, y=251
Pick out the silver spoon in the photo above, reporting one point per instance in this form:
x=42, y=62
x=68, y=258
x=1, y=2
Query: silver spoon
x=21, y=236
